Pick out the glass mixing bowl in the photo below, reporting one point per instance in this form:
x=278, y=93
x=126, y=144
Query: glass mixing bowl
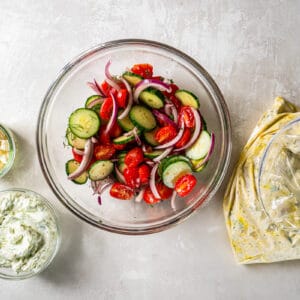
x=69, y=92
x=279, y=178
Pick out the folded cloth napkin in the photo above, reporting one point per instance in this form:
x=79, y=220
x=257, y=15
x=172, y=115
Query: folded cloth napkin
x=253, y=237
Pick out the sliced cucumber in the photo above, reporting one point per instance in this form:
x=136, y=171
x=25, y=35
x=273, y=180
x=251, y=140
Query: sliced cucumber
x=100, y=169
x=84, y=123
x=142, y=118
x=90, y=99
x=171, y=159
x=187, y=98
x=197, y=162
x=132, y=78
x=75, y=141
x=173, y=171
x=126, y=123
x=200, y=148
x=71, y=166
x=122, y=154
x=150, y=137
x=122, y=167
x=123, y=139
x=152, y=97
x=153, y=154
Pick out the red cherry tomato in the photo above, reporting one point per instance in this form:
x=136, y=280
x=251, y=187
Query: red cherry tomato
x=175, y=101
x=187, y=116
x=119, y=147
x=105, y=87
x=165, y=134
x=104, y=137
x=116, y=130
x=134, y=157
x=184, y=139
x=185, y=184
x=174, y=88
x=122, y=98
x=131, y=176
x=164, y=192
x=144, y=174
x=144, y=70
x=104, y=151
x=149, y=197
x=121, y=191
x=76, y=156
x=106, y=109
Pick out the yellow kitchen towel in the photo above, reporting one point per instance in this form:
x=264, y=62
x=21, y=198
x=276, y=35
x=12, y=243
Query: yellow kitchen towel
x=253, y=237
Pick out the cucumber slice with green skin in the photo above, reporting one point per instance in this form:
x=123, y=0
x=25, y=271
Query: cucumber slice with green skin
x=123, y=139
x=90, y=99
x=174, y=171
x=132, y=78
x=100, y=169
x=200, y=148
x=152, y=97
x=171, y=159
x=150, y=137
x=126, y=123
x=75, y=141
x=84, y=123
x=142, y=118
x=71, y=166
x=153, y=154
x=197, y=162
x=187, y=98
x=122, y=154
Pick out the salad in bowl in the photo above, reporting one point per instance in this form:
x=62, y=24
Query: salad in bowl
x=139, y=135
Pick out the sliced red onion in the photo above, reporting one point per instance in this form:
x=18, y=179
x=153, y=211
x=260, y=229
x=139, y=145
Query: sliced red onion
x=99, y=200
x=95, y=102
x=144, y=149
x=167, y=109
x=107, y=72
x=113, y=117
x=140, y=195
x=136, y=136
x=86, y=159
x=113, y=84
x=173, y=199
x=100, y=185
x=209, y=153
x=197, y=131
x=120, y=176
x=163, y=155
x=150, y=163
x=94, y=140
x=143, y=84
x=163, y=118
x=174, y=141
x=152, y=182
x=77, y=151
x=130, y=100
x=174, y=113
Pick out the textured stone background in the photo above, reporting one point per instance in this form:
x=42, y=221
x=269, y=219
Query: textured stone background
x=251, y=48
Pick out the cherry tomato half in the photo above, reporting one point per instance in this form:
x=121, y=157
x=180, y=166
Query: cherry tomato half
x=77, y=156
x=149, y=197
x=187, y=116
x=104, y=151
x=132, y=178
x=104, y=138
x=174, y=88
x=165, y=134
x=119, y=147
x=122, y=98
x=105, y=87
x=185, y=184
x=144, y=70
x=144, y=173
x=184, y=139
x=121, y=191
x=164, y=192
x=116, y=130
x=106, y=109
x=134, y=157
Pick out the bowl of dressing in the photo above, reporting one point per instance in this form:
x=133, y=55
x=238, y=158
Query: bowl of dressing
x=29, y=234
x=7, y=150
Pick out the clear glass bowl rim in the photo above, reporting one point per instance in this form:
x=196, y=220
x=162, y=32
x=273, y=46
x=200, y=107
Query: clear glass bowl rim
x=218, y=178
x=58, y=240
